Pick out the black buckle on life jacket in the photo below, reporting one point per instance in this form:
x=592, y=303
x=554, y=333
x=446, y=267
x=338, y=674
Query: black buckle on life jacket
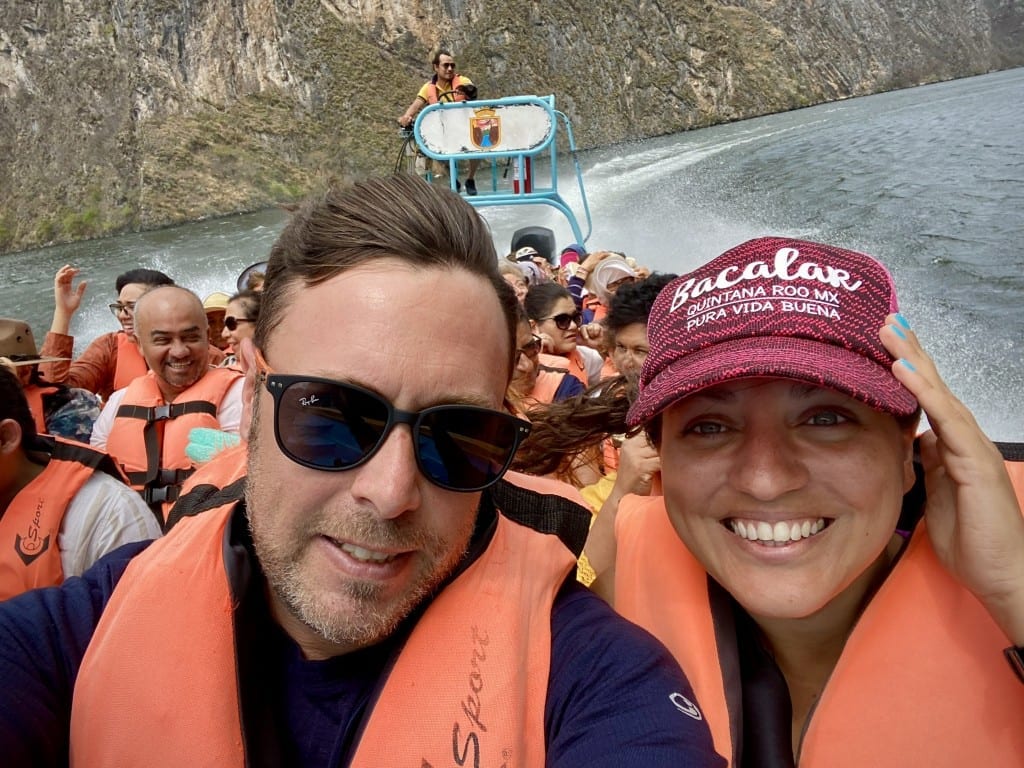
x=160, y=413
x=166, y=486
x=161, y=494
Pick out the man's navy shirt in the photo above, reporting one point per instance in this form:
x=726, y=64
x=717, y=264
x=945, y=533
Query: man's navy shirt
x=610, y=692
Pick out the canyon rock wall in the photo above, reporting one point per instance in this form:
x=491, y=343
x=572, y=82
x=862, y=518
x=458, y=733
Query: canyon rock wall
x=131, y=114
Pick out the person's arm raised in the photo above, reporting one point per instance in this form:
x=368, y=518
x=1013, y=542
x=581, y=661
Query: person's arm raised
x=66, y=299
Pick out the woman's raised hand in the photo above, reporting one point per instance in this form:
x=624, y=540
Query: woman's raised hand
x=973, y=515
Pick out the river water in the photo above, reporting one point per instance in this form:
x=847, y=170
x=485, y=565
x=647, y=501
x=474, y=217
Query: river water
x=930, y=180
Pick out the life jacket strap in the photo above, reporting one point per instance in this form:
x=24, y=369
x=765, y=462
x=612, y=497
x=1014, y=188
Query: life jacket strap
x=151, y=414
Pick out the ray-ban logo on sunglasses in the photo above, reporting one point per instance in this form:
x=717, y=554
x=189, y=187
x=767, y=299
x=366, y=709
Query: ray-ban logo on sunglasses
x=311, y=400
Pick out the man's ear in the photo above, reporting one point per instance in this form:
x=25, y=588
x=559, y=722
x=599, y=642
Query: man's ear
x=10, y=436
x=246, y=359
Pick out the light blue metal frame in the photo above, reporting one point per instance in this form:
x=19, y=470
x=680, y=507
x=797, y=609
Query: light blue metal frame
x=494, y=197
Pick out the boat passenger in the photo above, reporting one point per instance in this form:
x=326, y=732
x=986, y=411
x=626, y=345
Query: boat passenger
x=146, y=425
x=625, y=329
x=444, y=86
x=63, y=505
x=240, y=316
x=536, y=384
x=215, y=305
x=252, y=277
x=380, y=596
x=828, y=619
x=515, y=277
x=57, y=408
x=590, y=290
x=569, y=262
x=625, y=325
x=112, y=360
x=554, y=317
x=608, y=276
x=529, y=254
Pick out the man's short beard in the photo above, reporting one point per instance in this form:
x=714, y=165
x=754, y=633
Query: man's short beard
x=314, y=608
x=374, y=626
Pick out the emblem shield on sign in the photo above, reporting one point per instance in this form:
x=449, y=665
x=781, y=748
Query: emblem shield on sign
x=485, y=129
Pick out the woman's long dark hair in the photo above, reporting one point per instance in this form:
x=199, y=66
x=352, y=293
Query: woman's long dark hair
x=563, y=431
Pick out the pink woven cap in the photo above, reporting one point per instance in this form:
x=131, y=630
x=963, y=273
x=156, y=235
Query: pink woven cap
x=774, y=307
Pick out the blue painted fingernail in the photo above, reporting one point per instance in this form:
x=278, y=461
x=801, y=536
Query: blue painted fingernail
x=898, y=331
x=902, y=321
x=907, y=363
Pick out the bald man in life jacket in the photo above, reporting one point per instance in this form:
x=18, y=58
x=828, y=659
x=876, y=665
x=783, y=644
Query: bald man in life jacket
x=112, y=359
x=145, y=426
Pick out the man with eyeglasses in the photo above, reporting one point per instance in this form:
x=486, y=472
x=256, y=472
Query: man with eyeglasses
x=113, y=359
x=380, y=596
x=444, y=86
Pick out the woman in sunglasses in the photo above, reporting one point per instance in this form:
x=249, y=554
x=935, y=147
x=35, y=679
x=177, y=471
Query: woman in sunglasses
x=535, y=384
x=240, y=315
x=554, y=317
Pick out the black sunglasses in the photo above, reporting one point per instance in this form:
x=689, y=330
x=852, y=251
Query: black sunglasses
x=531, y=348
x=448, y=65
x=334, y=426
x=231, y=323
x=564, y=320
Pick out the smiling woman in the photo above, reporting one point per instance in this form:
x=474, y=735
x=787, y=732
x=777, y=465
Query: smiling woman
x=786, y=433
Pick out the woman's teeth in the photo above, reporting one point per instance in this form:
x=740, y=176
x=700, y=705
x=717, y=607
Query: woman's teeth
x=776, y=534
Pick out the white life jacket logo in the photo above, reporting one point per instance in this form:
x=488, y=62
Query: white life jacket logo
x=685, y=706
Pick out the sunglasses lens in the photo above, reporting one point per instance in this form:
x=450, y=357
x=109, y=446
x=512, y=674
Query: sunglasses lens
x=335, y=426
x=329, y=426
x=464, y=448
x=563, y=321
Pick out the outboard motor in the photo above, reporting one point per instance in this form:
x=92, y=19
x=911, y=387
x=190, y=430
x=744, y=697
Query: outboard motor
x=540, y=238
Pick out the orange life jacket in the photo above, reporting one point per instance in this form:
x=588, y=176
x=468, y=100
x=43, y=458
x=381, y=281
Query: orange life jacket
x=922, y=679
x=130, y=362
x=148, y=436
x=551, y=371
x=29, y=555
x=474, y=669
x=547, y=485
x=434, y=94
x=222, y=470
x=573, y=363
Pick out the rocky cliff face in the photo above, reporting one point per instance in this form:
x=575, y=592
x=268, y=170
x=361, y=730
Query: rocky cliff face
x=123, y=114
